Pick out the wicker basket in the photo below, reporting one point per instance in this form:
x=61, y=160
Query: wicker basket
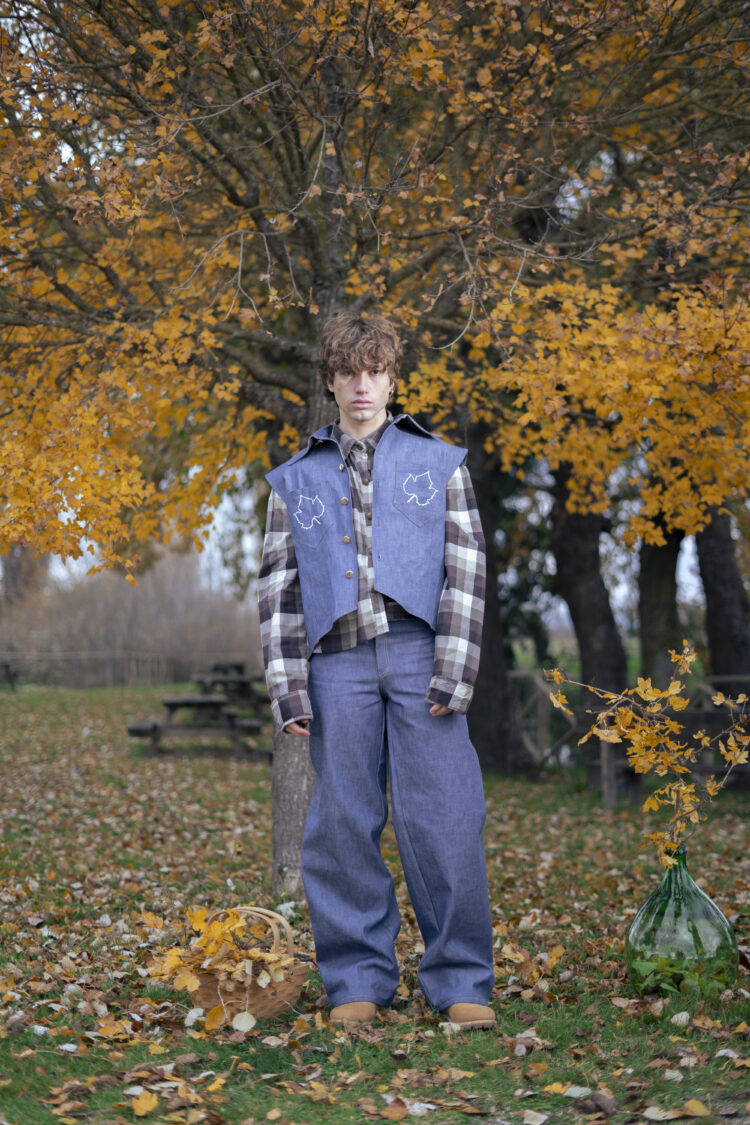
x=235, y=996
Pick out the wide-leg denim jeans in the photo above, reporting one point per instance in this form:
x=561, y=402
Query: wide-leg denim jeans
x=371, y=721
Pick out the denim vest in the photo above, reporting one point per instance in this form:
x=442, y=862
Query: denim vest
x=410, y=471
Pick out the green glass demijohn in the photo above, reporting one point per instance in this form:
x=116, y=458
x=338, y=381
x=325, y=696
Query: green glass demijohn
x=679, y=941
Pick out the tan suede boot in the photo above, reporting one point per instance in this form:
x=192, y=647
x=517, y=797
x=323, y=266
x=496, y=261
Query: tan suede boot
x=471, y=1017
x=359, y=1012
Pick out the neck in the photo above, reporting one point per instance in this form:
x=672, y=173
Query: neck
x=361, y=430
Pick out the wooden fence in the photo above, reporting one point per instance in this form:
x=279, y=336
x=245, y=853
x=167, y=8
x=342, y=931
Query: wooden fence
x=549, y=735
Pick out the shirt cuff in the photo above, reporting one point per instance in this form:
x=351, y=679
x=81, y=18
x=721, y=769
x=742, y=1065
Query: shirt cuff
x=450, y=693
x=291, y=708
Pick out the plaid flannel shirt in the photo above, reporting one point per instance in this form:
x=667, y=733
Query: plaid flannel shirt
x=459, y=625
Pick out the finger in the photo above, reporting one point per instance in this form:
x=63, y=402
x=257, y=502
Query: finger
x=298, y=729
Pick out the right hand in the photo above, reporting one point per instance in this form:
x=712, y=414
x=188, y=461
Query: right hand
x=299, y=728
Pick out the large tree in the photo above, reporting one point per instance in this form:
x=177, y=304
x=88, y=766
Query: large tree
x=189, y=189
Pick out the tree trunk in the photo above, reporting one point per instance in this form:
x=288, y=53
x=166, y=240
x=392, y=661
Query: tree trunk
x=575, y=544
x=292, y=774
x=727, y=606
x=659, y=622
x=292, y=782
x=24, y=572
x=493, y=715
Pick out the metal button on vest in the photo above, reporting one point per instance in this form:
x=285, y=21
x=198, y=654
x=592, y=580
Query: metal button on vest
x=346, y=539
x=350, y=574
x=341, y=468
x=344, y=500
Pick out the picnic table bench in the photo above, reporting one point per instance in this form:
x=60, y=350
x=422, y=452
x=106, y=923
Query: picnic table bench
x=206, y=715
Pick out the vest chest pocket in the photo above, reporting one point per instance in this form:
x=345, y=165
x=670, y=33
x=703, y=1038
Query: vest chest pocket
x=419, y=494
x=310, y=514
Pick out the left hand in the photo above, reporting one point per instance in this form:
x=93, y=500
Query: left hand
x=439, y=709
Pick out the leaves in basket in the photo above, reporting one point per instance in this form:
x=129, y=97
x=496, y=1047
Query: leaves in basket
x=186, y=979
x=216, y=1017
x=225, y=945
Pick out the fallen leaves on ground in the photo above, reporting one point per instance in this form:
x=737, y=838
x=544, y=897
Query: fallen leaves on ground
x=105, y=851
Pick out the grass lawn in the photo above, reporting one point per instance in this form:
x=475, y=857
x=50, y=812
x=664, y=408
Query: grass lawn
x=94, y=833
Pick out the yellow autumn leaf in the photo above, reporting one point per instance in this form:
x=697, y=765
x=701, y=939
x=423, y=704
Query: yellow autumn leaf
x=554, y=955
x=696, y=1108
x=216, y=1017
x=606, y=734
x=647, y=691
x=196, y=917
x=186, y=979
x=556, y=1088
x=557, y=699
x=144, y=1104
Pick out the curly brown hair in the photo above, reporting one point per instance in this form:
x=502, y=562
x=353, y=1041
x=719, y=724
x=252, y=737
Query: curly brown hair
x=351, y=343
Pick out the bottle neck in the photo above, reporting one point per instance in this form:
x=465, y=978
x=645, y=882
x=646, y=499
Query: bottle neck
x=677, y=873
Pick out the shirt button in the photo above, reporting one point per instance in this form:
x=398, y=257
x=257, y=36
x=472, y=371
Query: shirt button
x=350, y=574
x=344, y=500
x=365, y=480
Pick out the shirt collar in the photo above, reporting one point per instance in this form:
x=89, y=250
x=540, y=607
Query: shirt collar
x=346, y=441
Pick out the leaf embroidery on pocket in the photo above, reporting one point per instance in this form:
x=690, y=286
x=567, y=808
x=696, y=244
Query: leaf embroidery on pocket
x=420, y=488
x=309, y=511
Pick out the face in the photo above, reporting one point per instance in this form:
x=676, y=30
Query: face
x=362, y=399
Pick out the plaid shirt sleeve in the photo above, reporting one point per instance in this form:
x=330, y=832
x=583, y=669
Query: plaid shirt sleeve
x=282, y=621
x=459, y=627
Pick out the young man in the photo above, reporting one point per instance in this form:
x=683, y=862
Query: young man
x=371, y=595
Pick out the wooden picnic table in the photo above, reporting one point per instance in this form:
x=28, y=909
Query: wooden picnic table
x=238, y=686
x=229, y=668
x=230, y=682
x=198, y=716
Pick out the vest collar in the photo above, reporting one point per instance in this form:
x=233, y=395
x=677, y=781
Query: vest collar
x=324, y=434
x=403, y=421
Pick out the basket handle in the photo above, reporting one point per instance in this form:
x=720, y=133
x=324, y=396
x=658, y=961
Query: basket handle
x=276, y=921
x=273, y=920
